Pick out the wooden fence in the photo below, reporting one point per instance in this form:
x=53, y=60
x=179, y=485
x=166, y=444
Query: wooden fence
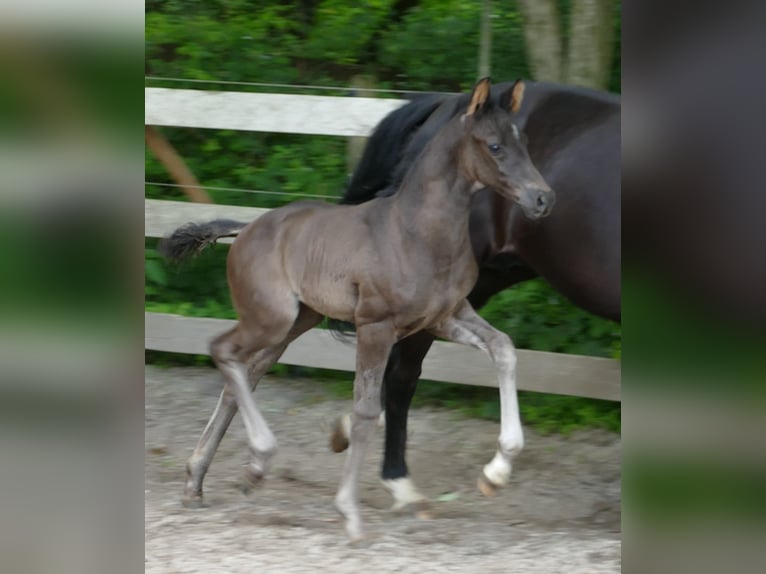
x=341, y=116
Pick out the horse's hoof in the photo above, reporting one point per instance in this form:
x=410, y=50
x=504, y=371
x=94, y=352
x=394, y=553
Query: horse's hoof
x=424, y=514
x=485, y=486
x=195, y=501
x=419, y=508
x=339, y=440
x=359, y=541
x=250, y=480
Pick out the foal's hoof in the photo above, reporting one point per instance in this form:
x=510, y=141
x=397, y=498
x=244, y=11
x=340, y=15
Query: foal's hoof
x=420, y=508
x=357, y=537
x=485, y=486
x=195, y=501
x=250, y=480
x=360, y=542
x=338, y=440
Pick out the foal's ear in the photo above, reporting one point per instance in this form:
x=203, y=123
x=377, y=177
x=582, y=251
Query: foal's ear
x=512, y=97
x=478, y=96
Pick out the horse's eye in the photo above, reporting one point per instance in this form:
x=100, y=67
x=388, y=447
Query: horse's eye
x=494, y=148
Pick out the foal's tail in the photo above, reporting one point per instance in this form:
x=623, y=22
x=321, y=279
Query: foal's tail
x=192, y=238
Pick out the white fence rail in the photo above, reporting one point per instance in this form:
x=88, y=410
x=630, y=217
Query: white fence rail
x=447, y=362
x=279, y=113
x=324, y=115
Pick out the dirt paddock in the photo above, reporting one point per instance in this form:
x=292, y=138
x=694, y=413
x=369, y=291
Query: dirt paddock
x=561, y=512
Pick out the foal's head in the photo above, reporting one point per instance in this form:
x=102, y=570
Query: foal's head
x=494, y=152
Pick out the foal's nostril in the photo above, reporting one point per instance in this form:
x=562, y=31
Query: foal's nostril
x=544, y=202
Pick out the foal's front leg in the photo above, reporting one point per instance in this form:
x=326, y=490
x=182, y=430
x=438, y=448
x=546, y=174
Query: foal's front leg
x=374, y=343
x=399, y=381
x=467, y=327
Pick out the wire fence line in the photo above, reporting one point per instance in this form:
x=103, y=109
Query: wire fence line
x=350, y=89
x=240, y=189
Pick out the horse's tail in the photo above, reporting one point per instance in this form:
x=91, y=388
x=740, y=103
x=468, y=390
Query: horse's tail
x=340, y=330
x=385, y=148
x=192, y=238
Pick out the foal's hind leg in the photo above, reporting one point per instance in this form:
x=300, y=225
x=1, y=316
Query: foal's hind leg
x=219, y=422
x=466, y=326
x=199, y=462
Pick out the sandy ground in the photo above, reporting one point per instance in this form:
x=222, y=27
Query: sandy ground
x=561, y=512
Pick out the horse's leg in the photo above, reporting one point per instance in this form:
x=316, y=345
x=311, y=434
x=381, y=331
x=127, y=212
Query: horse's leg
x=467, y=327
x=307, y=319
x=399, y=384
x=402, y=373
x=199, y=462
x=374, y=343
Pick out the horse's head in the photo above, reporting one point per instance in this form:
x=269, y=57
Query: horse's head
x=495, y=154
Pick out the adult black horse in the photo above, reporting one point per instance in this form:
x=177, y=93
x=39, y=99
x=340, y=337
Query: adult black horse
x=573, y=138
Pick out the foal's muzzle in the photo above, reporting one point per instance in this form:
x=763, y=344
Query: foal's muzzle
x=537, y=202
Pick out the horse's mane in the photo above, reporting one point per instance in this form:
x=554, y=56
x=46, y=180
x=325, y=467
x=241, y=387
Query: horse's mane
x=402, y=135
x=385, y=148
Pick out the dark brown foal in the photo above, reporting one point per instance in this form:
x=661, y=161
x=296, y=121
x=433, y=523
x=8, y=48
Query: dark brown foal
x=392, y=266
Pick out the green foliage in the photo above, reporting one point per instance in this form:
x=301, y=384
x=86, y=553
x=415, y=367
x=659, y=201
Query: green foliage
x=197, y=288
x=537, y=317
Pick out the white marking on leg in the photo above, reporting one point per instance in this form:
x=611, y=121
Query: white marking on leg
x=511, y=433
x=346, y=500
x=404, y=492
x=345, y=425
x=263, y=444
x=467, y=327
x=511, y=440
x=498, y=470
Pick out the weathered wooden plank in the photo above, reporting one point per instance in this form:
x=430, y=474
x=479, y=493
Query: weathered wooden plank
x=162, y=217
x=278, y=113
x=447, y=362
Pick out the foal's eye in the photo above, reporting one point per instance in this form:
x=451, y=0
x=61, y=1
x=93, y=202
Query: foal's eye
x=494, y=148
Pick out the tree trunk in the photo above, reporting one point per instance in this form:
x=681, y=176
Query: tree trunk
x=485, y=41
x=542, y=34
x=591, y=40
